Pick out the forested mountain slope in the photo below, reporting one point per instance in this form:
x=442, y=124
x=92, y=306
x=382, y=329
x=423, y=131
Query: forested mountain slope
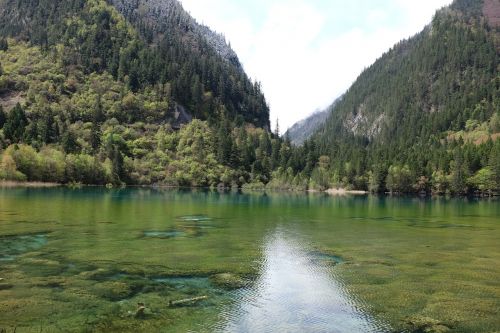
x=94, y=92
x=429, y=107
x=154, y=18
x=166, y=46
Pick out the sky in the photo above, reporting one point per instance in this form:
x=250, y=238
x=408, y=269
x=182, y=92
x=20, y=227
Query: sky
x=306, y=53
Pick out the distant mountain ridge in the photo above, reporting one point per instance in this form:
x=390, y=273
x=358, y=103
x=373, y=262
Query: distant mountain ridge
x=304, y=129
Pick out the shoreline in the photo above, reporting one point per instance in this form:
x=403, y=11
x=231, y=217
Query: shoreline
x=343, y=191
x=331, y=192
x=13, y=184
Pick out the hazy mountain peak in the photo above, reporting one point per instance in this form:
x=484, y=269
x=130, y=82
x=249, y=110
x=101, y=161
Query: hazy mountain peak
x=158, y=12
x=304, y=129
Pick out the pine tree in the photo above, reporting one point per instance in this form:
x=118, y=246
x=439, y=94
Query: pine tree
x=458, y=182
x=15, y=124
x=3, y=117
x=69, y=142
x=494, y=163
x=95, y=137
x=4, y=45
x=98, y=117
x=117, y=160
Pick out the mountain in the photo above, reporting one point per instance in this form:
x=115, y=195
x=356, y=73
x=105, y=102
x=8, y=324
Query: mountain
x=430, y=105
x=142, y=43
x=304, y=129
x=136, y=91
x=152, y=17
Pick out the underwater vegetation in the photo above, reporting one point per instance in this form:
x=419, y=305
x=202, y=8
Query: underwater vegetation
x=12, y=246
x=87, y=260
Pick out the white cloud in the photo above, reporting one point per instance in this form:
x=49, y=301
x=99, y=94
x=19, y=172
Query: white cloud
x=284, y=44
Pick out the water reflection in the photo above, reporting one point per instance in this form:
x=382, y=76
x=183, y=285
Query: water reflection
x=296, y=293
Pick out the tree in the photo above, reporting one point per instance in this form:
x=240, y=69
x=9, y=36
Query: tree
x=26, y=160
x=3, y=117
x=459, y=173
x=114, y=146
x=495, y=122
x=399, y=179
x=484, y=180
x=4, y=44
x=440, y=182
x=422, y=185
x=118, y=167
x=95, y=137
x=8, y=169
x=98, y=117
x=376, y=179
x=69, y=142
x=224, y=143
x=320, y=177
x=134, y=78
x=494, y=163
x=15, y=124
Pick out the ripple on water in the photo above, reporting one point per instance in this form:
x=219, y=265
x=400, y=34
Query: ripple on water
x=165, y=234
x=174, y=233
x=189, y=226
x=13, y=246
x=296, y=293
x=194, y=218
x=440, y=225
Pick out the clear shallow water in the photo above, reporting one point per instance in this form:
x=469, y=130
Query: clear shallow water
x=81, y=260
x=296, y=292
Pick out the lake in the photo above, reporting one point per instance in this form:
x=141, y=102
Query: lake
x=150, y=260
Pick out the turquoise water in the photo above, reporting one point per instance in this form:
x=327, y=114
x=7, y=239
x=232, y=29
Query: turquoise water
x=82, y=261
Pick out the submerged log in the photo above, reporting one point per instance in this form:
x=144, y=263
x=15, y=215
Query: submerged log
x=187, y=301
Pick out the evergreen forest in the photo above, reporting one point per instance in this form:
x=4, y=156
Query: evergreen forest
x=138, y=93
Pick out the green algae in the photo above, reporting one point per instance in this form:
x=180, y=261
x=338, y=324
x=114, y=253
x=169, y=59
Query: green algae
x=88, y=275
x=228, y=281
x=165, y=234
x=326, y=257
x=420, y=324
x=15, y=245
x=194, y=218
